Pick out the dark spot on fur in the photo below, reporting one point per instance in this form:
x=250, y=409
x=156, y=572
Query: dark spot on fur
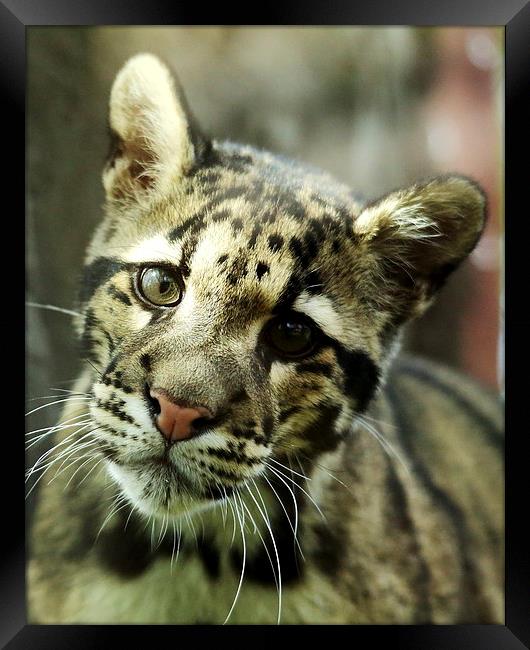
x=275, y=243
x=98, y=273
x=303, y=253
x=115, y=410
x=289, y=294
x=268, y=217
x=192, y=224
x=256, y=231
x=267, y=425
x=89, y=342
x=317, y=228
x=184, y=269
x=329, y=222
x=250, y=434
x=286, y=414
x=222, y=259
x=219, y=473
x=361, y=375
x=233, y=192
x=221, y=215
x=261, y=269
x=231, y=454
x=145, y=362
x=296, y=248
x=237, y=225
x=311, y=245
x=238, y=270
x=210, y=176
x=119, y=295
x=238, y=397
x=294, y=208
x=321, y=434
x=111, y=366
x=324, y=369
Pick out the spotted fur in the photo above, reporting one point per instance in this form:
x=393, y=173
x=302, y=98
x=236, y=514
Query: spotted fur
x=347, y=487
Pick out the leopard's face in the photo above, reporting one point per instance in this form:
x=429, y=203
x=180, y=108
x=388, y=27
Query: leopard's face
x=239, y=309
x=232, y=294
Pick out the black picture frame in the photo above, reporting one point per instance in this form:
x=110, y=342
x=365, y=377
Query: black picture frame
x=15, y=17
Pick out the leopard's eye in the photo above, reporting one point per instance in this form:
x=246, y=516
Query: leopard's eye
x=290, y=336
x=159, y=286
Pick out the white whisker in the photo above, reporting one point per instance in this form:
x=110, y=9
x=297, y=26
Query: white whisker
x=329, y=473
x=38, y=463
x=51, y=430
x=91, y=470
x=59, y=401
x=294, y=527
x=118, y=505
x=64, y=424
x=243, y=563
x=61, y=310
x=175, y=537
x=278, y=472
x=90, y=458
x=82, y=424
x=72, y=392
x=387, y=447
x=267, y=523
x=263, y=542
x=289, y=469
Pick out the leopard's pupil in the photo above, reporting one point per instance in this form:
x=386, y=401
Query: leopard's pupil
x=291, y=337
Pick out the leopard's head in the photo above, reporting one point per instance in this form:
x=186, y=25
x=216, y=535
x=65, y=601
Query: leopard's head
x=239, y=308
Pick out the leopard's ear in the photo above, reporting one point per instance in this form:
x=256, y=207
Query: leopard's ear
x=155, y=141
x=417, y=236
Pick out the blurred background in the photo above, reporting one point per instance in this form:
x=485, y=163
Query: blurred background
x=377, y=107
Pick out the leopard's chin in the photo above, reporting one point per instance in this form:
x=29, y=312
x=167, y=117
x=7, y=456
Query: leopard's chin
x=173, y=509
x=159, y=489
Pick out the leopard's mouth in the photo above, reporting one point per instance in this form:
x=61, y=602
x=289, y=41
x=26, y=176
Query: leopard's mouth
x=159, y=486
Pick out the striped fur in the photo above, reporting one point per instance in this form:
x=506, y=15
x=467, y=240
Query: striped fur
x=340, y=487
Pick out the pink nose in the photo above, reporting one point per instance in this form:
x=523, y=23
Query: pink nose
x=176, y=422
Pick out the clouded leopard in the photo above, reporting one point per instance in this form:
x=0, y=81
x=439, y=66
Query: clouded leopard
x=245, y=445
